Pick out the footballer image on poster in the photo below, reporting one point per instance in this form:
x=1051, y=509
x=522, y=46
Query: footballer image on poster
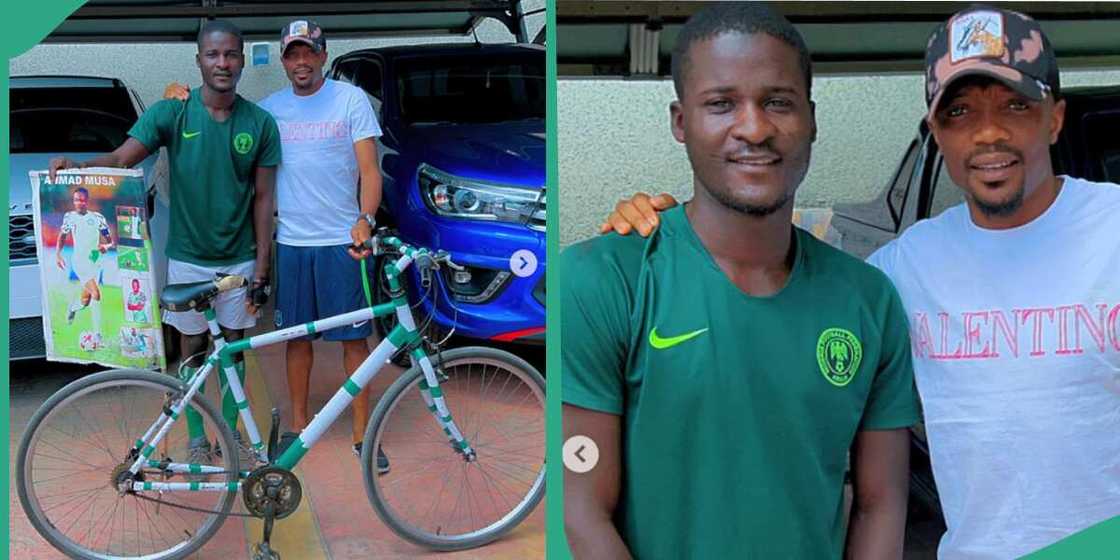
x=138, y=343
x=129, y=220
x=137, y=299
x=95, y=275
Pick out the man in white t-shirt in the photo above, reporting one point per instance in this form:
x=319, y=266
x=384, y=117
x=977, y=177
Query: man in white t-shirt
x=89, y=233
x=328, y=131
x=1013, y=300
x=328, y=188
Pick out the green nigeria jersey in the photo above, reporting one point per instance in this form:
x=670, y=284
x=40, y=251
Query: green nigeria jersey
x=212, y=170
x=738, y=411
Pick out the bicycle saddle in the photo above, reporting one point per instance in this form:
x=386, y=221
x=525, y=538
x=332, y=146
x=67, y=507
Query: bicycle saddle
x=197, y=295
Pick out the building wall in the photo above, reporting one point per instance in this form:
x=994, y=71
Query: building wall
x=614, y=140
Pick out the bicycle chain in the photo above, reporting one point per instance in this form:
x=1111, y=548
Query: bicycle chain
x=138, y=496
x=190, y=508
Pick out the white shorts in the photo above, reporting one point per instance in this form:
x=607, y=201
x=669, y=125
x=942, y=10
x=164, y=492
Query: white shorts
x=86, y=270
x=229, y=306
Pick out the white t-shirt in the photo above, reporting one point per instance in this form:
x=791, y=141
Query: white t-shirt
x=317, y=181
x=1016, y=342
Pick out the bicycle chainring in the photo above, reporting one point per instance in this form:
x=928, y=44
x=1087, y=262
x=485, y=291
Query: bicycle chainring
x=271, y=485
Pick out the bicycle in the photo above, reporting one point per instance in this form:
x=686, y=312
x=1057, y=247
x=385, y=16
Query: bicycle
x=96, y=475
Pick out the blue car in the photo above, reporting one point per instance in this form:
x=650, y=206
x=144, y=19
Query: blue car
x=463, y=163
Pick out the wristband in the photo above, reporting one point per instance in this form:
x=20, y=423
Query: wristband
x=368, y=218
x=259, y=292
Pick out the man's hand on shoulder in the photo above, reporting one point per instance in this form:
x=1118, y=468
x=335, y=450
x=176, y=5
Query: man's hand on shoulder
x=638, y=212
x=175, y=90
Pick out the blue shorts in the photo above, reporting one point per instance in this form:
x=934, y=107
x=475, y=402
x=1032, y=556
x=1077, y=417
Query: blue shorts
x=319, y=282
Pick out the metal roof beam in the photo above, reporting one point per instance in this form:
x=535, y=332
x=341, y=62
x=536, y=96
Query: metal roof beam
x=93, y=12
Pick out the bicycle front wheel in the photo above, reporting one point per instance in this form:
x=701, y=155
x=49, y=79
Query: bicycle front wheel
x=432, y=495
x=77, y=444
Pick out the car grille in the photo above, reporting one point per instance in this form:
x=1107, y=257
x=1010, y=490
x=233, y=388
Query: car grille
x=21, y=239
x=25, y=339
x=537, y=220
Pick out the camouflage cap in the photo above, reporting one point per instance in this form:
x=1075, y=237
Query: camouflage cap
x=303, y=31
x=1002, y=44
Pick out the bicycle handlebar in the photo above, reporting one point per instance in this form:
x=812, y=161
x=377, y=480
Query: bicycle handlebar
x=383, y=242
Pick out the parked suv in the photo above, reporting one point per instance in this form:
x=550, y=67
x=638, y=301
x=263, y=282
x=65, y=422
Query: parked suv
x=463, y=162
x=1088, y=147
x=79, y=117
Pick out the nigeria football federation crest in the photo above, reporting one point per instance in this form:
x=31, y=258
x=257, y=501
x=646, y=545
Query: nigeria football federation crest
x=243, y=142
x=838, y=354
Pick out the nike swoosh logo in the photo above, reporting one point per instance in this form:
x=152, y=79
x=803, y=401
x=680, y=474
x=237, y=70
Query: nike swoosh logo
x=191, y=134
x=663, y=343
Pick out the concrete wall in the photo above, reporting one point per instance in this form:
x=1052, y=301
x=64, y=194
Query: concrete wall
x=614, y=140
x=148, y=67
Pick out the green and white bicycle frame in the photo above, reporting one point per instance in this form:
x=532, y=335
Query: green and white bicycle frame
x=405, y=333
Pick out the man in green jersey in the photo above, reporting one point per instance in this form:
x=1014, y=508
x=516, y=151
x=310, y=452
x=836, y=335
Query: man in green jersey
x=223, y=153
x=726, y=365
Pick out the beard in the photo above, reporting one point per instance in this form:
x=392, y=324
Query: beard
x=1000, y=209
x=725, y=199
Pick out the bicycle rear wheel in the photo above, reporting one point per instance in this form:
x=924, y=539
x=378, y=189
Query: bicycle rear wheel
x=432, y=496
x=77, y=442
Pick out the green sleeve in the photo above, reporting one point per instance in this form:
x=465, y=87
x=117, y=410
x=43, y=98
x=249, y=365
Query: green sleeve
x=155, y=126
x=893, y=402
x=595, y=317
x=270, y=144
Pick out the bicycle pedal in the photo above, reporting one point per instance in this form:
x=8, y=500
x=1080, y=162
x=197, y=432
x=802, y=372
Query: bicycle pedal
x=261, y=551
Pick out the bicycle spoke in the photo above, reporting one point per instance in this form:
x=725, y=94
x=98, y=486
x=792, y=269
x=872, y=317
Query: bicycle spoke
x=497, y=485
x=72, y=450
x=433, y=491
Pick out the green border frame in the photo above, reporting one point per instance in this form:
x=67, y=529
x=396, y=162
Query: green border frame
x=556, y=544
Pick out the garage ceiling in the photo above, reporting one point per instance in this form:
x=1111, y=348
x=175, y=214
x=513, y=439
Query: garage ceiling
x=164, y=21
x=594, y=38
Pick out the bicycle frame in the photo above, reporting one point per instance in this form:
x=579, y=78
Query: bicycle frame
x=405, y=333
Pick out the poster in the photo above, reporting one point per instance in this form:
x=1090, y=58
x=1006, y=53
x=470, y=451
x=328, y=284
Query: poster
x=99, y=291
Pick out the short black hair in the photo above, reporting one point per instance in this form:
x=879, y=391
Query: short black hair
x=219, y=26
x=82, y=190
x=737, y=17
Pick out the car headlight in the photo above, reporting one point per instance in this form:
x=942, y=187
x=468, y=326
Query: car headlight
x=458, y=197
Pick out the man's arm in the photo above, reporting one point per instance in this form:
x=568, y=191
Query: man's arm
x=126, y=155
x=106, y=235
x=880, y=478
x=264, y=206
x=590, y=498
x=58, y=260
x=369, y=193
